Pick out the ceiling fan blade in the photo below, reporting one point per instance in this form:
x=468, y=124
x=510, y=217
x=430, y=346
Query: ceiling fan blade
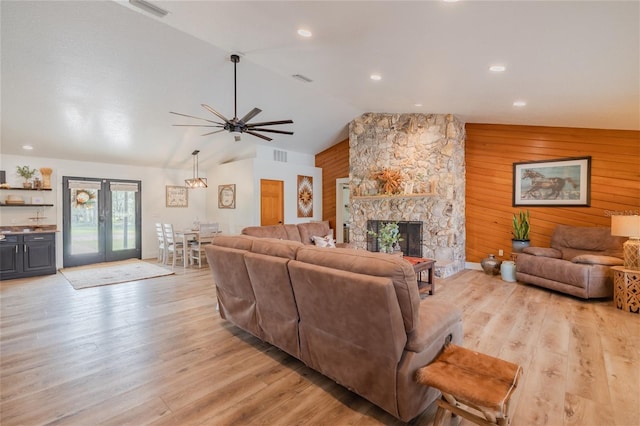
x=270, y=123
x=196, y=125
x=283, y=132
x=193, y=116
x=260, y=136
x=251, y=114
x=216, y=113
x=211, y=133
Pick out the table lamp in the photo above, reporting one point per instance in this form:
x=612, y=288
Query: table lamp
x=628, y=226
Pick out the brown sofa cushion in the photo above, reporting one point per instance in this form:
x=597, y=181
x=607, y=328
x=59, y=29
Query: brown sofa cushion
x=575, y=240
x=374, y=264
x=271, y=231
x=592, y=259
x=276, y=308
x=544, y=252
x=310, y=229
x=239, y=242
x=275, y=247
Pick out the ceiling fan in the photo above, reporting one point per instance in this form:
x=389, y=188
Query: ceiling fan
x=237, y=125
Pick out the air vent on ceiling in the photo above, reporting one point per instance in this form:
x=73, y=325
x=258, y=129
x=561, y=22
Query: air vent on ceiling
x=279, y=155
x=148, y=7
x=302, y=78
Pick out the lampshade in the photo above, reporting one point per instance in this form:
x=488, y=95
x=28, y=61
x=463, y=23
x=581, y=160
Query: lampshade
x=628, y=226
x=196, y=181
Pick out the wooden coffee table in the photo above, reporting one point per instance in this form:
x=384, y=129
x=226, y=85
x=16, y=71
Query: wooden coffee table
x=421, y=265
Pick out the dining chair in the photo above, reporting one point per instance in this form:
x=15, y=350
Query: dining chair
x=161, y=243
x=173, y=247
x=208, y=232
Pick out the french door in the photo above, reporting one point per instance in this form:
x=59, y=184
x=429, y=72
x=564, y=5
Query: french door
x=101, y=220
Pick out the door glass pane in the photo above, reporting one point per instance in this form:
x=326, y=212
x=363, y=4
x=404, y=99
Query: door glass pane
x=84, y=221
x=123, y=220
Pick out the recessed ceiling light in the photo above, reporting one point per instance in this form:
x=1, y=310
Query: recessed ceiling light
x=519, y=104
x=376, y=77
x=497, y=68
x=304, y=33
x=418, y=104
x=27, y=147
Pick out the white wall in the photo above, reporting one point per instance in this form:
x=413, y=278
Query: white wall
x=239, y=173
x=153, y=195
x=246, y=175
x=203, y=203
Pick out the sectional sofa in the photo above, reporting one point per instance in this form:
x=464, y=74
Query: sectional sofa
x=352, y=315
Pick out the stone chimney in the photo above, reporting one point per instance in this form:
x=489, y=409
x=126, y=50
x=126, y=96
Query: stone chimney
x=427, y=151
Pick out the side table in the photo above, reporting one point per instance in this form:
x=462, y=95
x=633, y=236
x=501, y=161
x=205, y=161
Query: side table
x=421, y=265
x=626, y=289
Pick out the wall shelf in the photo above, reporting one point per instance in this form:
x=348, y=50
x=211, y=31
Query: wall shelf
x=25, y=189
x=387, y=197
x=26, y=205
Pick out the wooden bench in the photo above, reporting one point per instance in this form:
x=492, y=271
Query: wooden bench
x=475, y=386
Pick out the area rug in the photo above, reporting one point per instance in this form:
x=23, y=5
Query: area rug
x=112, y=273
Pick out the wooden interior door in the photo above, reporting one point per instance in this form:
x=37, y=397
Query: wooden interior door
x=271, y=202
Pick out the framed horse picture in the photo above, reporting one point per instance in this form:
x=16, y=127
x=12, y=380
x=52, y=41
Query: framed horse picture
x=563, y=182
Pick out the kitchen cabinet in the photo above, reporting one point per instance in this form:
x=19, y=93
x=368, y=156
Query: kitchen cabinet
x=27, y=255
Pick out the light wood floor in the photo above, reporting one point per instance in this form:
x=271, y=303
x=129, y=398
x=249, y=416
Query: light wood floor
x=156, y=352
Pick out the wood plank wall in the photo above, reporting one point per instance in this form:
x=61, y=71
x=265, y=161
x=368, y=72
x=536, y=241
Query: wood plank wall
x=334, y=162
x=490, y=153
x=491, y=150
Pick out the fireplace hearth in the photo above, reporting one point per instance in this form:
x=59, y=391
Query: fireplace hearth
x=410, y=232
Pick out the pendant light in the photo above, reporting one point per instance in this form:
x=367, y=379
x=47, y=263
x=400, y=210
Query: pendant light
x=196, y=181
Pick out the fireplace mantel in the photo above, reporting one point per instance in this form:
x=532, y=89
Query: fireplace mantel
x=386, y=197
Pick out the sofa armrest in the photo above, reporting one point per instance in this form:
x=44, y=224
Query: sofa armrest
x=594, y=259
x=434, y=319
x=543, y=251
x=346, y=245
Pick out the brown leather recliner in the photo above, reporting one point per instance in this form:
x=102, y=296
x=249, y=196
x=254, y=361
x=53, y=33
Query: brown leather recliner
x=578, y=262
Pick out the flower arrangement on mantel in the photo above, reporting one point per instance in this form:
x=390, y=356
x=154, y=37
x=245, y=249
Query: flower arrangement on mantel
x=391, y=181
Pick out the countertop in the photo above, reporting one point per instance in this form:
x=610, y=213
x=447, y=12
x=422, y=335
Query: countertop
x=26, y=229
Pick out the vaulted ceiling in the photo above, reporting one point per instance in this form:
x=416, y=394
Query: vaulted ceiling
x=95, y=80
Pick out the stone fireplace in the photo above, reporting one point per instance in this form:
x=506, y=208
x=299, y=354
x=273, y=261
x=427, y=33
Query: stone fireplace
x=427, y=151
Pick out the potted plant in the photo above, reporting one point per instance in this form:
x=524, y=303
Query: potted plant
x=388, y=237
x=26, y=173
x=521, y=228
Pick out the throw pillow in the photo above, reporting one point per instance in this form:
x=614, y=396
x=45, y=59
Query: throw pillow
x=594, y=259
x=326, y=241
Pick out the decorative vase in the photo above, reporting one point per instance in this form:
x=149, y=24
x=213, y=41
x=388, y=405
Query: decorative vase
x=491, y=265
x=519, y=245
x=508, y=271
x=46, y=177
x=26, y=185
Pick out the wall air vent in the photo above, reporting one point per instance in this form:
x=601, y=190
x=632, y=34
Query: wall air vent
x=302, y=78
x=279, y=155
x=148, y=7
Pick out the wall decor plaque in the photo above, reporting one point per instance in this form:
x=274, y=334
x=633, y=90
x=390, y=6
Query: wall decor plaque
x=177, y=196
x=305, y=196
x=227, y=196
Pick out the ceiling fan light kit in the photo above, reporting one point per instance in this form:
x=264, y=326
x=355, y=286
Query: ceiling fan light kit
x=196, y=181
x=237, y=125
